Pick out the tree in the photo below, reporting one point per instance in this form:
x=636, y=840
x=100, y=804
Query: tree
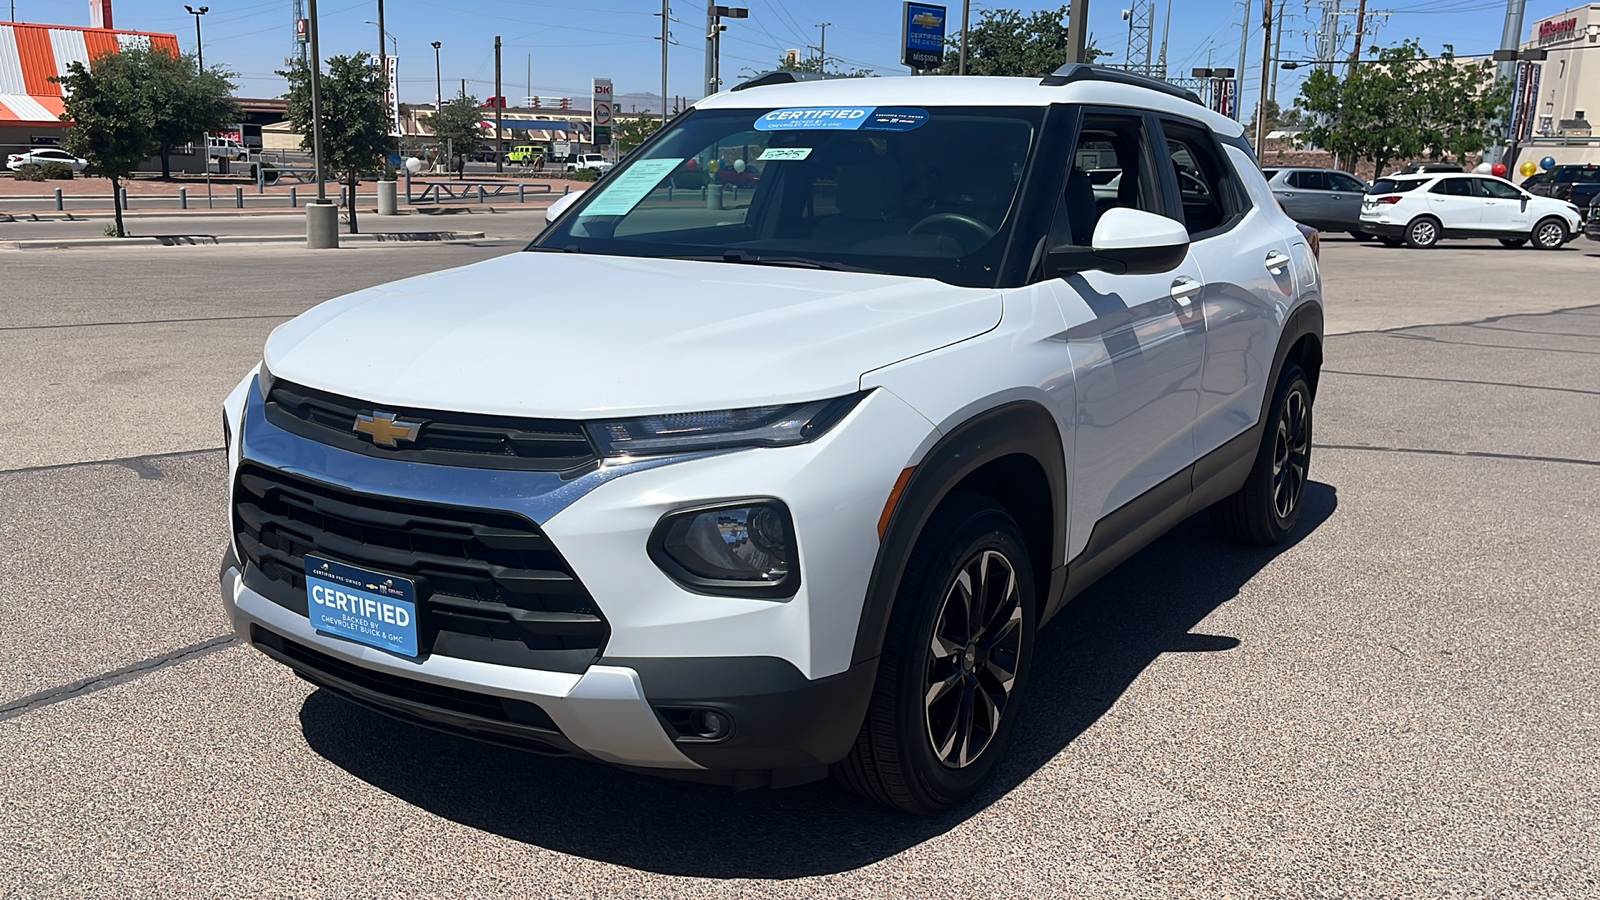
x=187, y=102
x=459, y=125
x=1403, y=104
x=355, y=122
x=633, y=132
x=1003, y=42
x=1274, y=117
x=815, y=64
x=113, y=127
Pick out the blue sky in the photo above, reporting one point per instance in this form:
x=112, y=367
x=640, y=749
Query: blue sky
x=571, y=41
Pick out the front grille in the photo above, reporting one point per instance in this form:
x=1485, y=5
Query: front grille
x=446, y=438
x=490, y=585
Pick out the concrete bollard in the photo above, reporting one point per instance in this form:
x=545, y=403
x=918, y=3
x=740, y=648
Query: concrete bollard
x=294, y=197
x=60, y=204
x=183, y=198
x=238, y=198
x=322, y=226
x=388, y=199
x=124, y=198
x=480, y=193
x=522, y=193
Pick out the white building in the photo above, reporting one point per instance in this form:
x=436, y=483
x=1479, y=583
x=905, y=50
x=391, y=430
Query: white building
x=1567, y=98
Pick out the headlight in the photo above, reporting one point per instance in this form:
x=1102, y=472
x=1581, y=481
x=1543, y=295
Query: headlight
x=742, y=549
x=758, y=426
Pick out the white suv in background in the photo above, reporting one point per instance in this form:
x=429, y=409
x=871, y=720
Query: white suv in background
x=747, y=486
x=1422, y=209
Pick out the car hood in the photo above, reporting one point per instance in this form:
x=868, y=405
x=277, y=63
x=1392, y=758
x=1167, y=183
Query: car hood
x=570, y=335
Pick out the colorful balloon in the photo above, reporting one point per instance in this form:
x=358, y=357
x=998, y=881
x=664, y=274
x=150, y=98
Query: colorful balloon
x=713, y=166
x=1527, y=168
x=738, y=165
x=1482, y=169
x=1548, y=163
x=1499, y=170
x=692, y=165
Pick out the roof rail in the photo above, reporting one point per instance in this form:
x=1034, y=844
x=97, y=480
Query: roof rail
x=1072, y=72
x=781, y=76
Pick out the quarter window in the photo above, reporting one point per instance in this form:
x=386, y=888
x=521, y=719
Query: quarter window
x=1206, y=186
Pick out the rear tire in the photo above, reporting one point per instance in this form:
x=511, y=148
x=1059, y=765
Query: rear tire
x=961, y=633
x=1513, y=243
x=1266, y=508
x=1550, y=234
x=1390, y=242
x=1422, y=232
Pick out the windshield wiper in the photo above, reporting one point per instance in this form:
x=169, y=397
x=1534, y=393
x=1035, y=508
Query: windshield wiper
x=792, y=262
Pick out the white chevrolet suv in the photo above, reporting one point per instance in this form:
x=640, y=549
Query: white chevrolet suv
x=1420, y=210
x=747, y=485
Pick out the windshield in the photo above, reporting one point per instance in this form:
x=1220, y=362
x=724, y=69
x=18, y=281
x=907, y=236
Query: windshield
x=902, y=191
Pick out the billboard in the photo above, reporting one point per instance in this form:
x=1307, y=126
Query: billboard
x=391, y=96
x=922, y=35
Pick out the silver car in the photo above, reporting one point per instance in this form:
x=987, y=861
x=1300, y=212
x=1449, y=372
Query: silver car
x=1325, y=199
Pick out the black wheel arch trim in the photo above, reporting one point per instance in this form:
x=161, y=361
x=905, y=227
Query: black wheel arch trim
x=1022, y=427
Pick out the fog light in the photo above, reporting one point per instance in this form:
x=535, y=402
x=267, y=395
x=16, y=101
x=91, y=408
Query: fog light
x=710, y=724
x=742, y=550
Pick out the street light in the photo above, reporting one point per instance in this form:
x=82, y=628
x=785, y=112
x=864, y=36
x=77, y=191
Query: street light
x=393, y=41
x=199, y=48
x=715, y=14
x=322, y=217
x=438, y=83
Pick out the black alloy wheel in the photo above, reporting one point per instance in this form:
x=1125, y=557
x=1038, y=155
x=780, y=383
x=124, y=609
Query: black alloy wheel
x=954, y=663
x=1265, y=509
x=973, y=659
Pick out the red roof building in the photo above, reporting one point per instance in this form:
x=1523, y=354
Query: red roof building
x=31, y=55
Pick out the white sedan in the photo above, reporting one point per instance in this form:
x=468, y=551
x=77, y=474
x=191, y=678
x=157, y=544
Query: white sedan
x=40, y=156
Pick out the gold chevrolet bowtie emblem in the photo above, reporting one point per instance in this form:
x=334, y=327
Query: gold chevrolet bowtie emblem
x=927, y=20
x=385, y=430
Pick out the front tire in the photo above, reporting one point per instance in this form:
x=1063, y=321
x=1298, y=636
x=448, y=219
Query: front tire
x=955, y=661
x=1513, y=243
x=1423, y=232
x=1267, y=507
x=1550, y=234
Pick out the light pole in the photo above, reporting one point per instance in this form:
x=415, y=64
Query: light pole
x=322, y=217
x=393, y=41
x=438, y=84
x=199, y=48
x=715, y=14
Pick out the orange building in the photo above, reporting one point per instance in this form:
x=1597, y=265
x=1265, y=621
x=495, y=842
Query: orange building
x=31, y=55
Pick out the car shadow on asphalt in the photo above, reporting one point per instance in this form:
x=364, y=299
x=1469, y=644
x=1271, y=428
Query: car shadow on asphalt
x=1085, y=659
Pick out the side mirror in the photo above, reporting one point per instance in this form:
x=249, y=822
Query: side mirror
x=1127, y=242
x=560, y=206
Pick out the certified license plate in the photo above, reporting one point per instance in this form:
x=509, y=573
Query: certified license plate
x=369, y=607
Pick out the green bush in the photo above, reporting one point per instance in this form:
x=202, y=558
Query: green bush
x=56, y=171
x=28, y=172
x=584, y=175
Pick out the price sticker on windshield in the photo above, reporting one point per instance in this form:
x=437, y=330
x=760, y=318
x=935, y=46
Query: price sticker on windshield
x=793, y=154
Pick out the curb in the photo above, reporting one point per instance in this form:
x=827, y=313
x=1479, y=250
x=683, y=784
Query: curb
x=180, y=240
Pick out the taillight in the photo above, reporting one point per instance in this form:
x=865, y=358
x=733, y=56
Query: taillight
x=1313, y=239
x=1389, y=199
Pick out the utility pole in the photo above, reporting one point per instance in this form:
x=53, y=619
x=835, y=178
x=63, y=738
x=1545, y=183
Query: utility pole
x=708, y=85
x=1266, y=64
x=666, y=38
x=1361, y=33
x=383, y=52
x=1077, y=31
x=1511, y=39
x=966, y=13
x=499, y=110
x=822, y=46
x=1238, y=84
x=1277, y=53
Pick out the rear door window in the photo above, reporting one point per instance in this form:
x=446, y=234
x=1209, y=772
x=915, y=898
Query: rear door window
x=1310, y=181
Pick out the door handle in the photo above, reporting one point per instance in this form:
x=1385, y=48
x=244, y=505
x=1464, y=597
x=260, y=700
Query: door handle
x=1286, y=193
x=1184, y=288
x=1276, y=261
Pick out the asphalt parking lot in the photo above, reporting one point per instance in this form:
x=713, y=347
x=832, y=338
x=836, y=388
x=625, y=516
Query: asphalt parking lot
x=1399, y=703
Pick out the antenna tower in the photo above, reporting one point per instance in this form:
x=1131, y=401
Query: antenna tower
x=299, y=51
x=1141, y=15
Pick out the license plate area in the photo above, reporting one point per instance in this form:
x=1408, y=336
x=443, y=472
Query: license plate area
x=361, y=605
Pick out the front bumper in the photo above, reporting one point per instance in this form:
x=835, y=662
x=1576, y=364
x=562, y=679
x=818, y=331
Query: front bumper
x=615, y=711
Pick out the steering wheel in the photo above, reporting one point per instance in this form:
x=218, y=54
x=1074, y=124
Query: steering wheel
x=973, y=226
